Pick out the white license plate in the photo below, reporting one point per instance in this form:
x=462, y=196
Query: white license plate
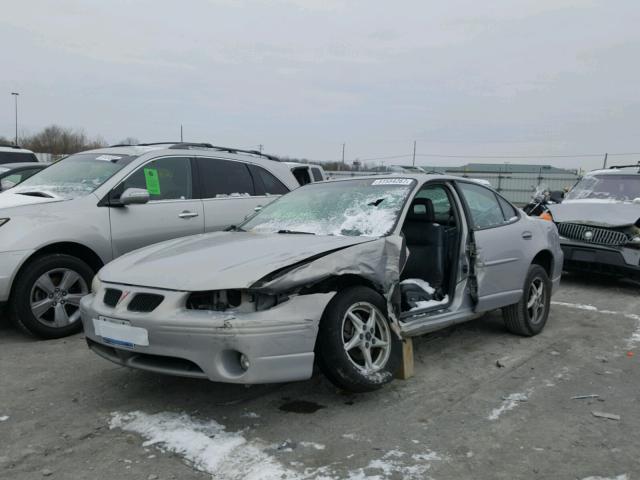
x=119, y=332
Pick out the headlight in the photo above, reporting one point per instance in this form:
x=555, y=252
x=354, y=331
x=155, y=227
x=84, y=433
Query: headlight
x=96, y=284
x=635, y=241
x=3, y=221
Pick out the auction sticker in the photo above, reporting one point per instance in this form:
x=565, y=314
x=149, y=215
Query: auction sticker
x=393, y=181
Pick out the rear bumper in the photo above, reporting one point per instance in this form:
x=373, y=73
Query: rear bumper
x=580, y=256
x=278, y=342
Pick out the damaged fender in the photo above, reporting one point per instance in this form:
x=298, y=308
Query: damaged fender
x=379, y=261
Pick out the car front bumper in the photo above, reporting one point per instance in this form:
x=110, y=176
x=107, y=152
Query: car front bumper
x=278, y=342
x=579, y=256
x=10, y=263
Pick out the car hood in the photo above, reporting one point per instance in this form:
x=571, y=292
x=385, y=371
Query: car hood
x=10, y=199
x=602, y=214
x=219, y=260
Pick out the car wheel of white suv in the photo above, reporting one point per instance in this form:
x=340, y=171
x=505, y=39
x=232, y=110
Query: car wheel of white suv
x=357, y=350
x=46, y=295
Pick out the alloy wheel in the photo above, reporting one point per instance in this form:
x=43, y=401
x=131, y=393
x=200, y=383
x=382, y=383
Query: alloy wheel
x=55, y=297
x=536, y=301
x=366, y=337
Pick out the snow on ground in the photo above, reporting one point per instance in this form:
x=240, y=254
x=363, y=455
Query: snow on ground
x=208, y=447
x=509, y=403
x=623, y=476
x=204, y=444
x=632, y=341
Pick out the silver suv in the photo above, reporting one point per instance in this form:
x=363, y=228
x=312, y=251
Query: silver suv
x=63, y=224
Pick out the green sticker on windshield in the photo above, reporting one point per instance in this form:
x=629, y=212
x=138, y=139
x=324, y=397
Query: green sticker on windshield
x=152, y=180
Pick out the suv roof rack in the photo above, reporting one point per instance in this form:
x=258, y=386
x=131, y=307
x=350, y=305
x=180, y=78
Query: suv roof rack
x=187, y=145
x=181, y=145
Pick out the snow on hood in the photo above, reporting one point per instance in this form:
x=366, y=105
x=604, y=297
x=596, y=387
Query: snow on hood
x=603, y=214
x=218, y=260
x=10, y=199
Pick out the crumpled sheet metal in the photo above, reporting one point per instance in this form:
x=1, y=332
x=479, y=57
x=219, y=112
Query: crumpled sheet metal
x=377, y=261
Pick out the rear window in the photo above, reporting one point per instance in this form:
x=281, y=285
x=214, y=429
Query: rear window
x=17, y=157
x=317, y=174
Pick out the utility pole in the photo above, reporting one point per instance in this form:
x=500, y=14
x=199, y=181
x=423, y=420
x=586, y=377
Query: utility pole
x=414, y=153
x=605, y=160
x=343, y=145
x=15, y=96
x=181, y=140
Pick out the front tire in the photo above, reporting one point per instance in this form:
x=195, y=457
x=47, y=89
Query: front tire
x=357, y=350
x=529, y=316
x=46, y=295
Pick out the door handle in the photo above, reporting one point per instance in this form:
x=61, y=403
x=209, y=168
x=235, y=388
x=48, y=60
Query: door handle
x=527, y=235
x=187, y=214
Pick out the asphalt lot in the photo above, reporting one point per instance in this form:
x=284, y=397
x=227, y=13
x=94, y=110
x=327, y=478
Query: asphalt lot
x=461, y=416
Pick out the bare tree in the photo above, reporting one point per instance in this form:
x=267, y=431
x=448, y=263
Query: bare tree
x=5, y=141
x=59, y=140
x=129, y=141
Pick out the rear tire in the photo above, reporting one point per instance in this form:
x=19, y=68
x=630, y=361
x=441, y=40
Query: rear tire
x=529, y=316
x=357, y=350
x=46, y=295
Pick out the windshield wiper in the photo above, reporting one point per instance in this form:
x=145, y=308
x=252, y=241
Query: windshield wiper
x=375, y=203
x=234, y=228
x=295, y=232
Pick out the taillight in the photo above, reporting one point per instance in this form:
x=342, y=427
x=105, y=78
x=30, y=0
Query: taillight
x=546, y=216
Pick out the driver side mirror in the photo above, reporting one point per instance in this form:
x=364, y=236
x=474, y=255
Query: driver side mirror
x=134, y=196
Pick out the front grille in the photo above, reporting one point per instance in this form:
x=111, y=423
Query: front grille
x=111, y=296
x=599, y=236
x=145, y=302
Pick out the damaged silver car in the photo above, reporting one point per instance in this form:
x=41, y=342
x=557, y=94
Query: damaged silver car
x=599, y=223
x=336, y=273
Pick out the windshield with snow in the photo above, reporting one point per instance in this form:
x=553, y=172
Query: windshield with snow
x=606, y=187
x=367, y=208
x=75, y=176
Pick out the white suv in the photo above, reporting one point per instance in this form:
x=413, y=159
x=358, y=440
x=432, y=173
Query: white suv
x=63, y=224
x=15, y=154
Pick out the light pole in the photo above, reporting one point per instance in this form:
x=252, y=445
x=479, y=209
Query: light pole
x=15, y=95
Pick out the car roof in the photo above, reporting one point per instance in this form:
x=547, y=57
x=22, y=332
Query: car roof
x=414, y=176
x=189, y=148
x=14, y=149
x=617, y=170
x=24, y=164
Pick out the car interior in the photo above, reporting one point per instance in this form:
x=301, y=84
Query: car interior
x=431, y=230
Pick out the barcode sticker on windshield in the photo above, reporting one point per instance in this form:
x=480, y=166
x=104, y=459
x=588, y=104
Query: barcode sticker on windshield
x=393, y=181
x=108, y=158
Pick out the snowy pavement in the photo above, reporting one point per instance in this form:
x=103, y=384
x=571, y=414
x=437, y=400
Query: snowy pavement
x=483, y=404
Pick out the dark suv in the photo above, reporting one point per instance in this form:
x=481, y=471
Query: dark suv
x=599, y=222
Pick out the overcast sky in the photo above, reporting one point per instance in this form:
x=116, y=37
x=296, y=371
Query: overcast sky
x=303, y=76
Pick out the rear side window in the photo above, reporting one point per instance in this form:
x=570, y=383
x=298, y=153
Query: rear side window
x=224, y=178
x=266, y=183
x=17, y=157
x=483, y=205
x=317, y=174
x=507, y=209
x=302, y=175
